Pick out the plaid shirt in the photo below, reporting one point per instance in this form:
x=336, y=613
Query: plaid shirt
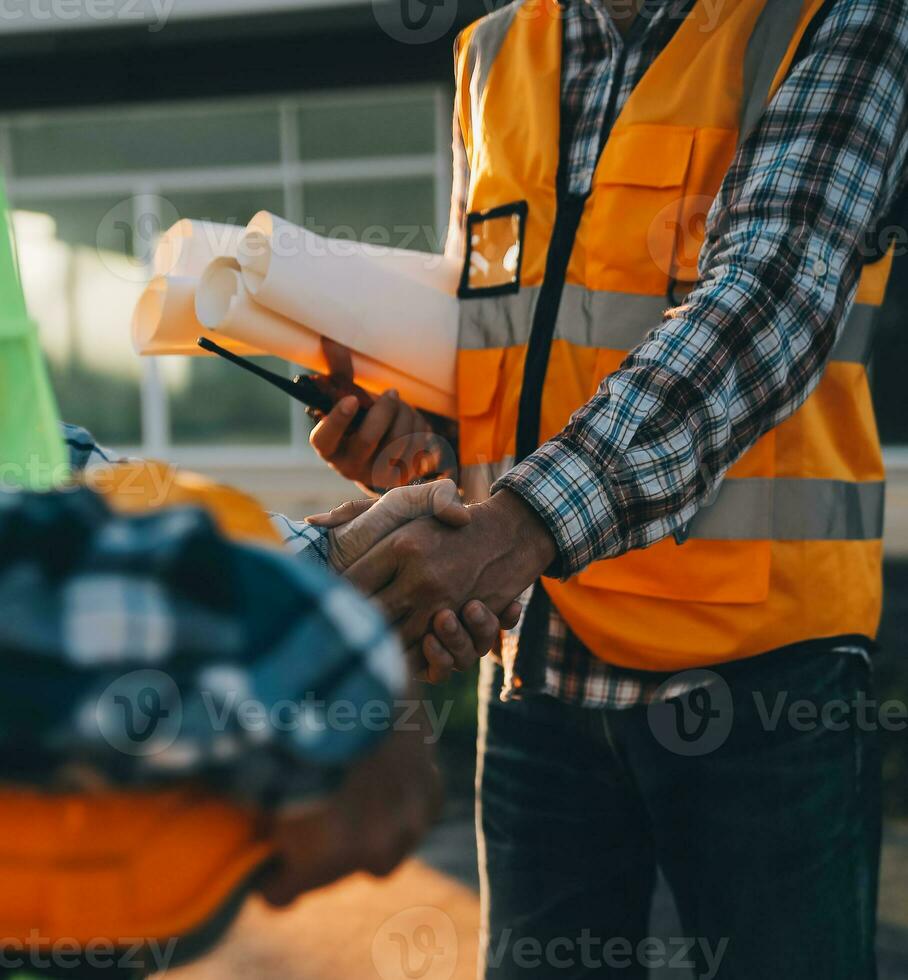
x=139, y=649
x=778, y=272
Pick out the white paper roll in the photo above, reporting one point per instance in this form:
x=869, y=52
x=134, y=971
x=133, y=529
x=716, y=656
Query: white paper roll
x=188, y=246
x=224, y=307
x=398, y=309
x=164, y=320
x=439, y=272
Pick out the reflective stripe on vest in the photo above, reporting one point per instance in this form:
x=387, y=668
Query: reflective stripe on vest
x=765, y=52
x=757, y=509
x=618, y=321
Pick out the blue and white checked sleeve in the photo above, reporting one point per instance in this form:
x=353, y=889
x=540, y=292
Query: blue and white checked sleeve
x=150, y=648
x=778, y=273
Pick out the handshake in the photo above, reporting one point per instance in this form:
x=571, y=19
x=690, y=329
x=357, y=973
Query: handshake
x=380, y=545
x=446, y=575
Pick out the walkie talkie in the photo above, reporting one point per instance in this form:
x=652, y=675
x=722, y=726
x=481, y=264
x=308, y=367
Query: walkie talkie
x=318, y=392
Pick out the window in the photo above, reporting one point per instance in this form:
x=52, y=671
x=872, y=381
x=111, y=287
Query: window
x=92, y=190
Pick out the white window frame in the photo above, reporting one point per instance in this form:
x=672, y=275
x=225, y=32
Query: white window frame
x=290, y=173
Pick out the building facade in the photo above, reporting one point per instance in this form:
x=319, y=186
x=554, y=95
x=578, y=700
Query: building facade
x=119, y=116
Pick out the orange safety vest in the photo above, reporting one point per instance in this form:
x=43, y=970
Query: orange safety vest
x=790, y=547
x=114, y=867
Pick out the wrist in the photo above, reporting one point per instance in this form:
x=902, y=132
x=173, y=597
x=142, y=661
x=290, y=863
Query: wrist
x=524, y=530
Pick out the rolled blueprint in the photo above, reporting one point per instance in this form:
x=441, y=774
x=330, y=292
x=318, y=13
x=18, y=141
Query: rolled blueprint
x=440, y=272
x=164, y=320
x=394, y=306
x=188, y=246
x=223, y=305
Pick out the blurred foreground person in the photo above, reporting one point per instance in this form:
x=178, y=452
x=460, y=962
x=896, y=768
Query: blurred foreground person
x=196, y=713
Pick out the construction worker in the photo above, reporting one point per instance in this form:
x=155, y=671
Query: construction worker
x=671, y=215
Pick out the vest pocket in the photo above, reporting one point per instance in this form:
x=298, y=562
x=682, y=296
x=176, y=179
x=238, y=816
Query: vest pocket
x=479, y=384
x=630, y=233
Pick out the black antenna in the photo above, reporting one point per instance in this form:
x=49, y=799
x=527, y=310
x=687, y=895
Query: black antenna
x=315, y=391
x=285, y=384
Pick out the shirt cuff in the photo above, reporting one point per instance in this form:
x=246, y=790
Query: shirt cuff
x=307, y=541
x=577, y=502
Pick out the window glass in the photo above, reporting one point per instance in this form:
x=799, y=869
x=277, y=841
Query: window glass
x=234, y=206
x=397, y=212
x=379, y=125
x=83, y=252
x=81, y=287
x=210, y=400
x=145, y=140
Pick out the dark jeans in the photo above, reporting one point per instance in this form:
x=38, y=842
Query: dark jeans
x=766, y=827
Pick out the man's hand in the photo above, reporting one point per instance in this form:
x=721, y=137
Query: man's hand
x=425, y=566
x=358, y=526
x=393, y=445
x=384, y=807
